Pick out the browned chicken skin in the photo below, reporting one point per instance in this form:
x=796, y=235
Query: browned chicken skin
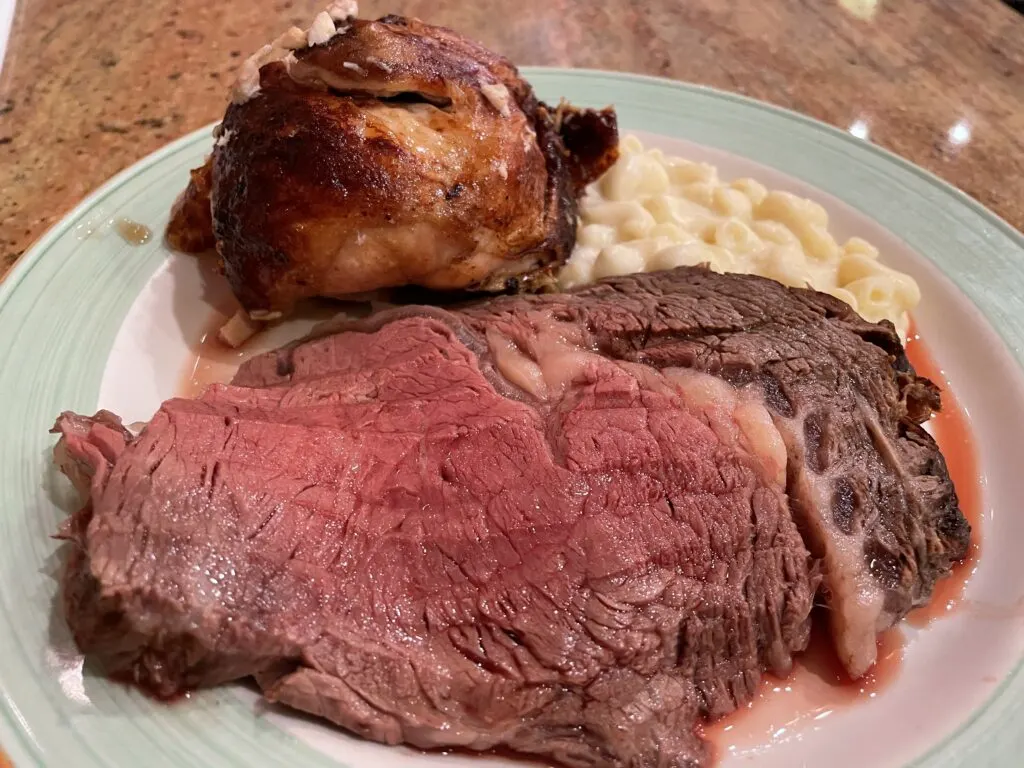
x=396, y=153
x=191, y=226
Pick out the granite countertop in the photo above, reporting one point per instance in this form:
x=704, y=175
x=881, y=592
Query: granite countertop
x=90, y=87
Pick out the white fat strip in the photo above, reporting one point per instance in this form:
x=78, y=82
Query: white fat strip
x=383, y=66
x=339, y=10
x=291, y=40
x=560, y=355
x=311, y=74
x=529, y=140
x=247, y=84
x=516, y=366
x=351, y=65
x=321, y=30
x=264, y=315
x=737, y=417
x=544, y=362
x=857, y=601
x=224, y=138
x=238, y=330
x=755, y=422
x=498, y=95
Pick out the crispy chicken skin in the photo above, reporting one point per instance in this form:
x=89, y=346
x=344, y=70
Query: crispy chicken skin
x=396, y=153
x=191, y=226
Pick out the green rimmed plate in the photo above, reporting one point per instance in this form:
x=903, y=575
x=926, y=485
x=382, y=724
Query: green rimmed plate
x=87, y=320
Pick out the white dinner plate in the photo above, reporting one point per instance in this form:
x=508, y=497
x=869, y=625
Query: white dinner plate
x=89, y=321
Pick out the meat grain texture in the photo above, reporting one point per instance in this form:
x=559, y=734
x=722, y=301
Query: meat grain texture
x=573, y=525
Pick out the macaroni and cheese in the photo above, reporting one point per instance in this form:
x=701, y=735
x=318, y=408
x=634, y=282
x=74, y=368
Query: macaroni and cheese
x=652, y=212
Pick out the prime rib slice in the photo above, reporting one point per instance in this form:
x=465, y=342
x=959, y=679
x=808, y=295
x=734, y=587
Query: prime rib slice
x=572, y=525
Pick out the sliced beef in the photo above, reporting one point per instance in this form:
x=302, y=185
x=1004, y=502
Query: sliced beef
x=867, y=485
x=568, y=524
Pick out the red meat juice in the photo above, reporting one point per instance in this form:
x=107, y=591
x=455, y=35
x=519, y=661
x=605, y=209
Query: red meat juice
x=818, y=686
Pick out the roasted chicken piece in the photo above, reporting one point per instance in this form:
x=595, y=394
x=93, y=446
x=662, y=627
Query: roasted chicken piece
x=191, y=226
x=372, y=154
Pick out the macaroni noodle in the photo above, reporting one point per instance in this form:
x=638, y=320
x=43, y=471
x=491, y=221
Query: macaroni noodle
x=651, y=212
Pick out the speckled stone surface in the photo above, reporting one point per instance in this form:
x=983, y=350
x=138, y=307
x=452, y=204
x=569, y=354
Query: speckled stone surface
x=91, y=86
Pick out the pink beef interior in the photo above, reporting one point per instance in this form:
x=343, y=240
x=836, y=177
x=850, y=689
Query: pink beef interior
x=570, y=525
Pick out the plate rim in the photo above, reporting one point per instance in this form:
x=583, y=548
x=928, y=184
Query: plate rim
x=33, y=255
x=33, y=252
